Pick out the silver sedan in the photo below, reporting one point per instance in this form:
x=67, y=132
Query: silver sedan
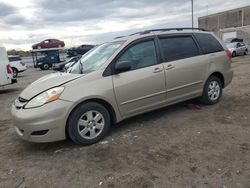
x=237, y=48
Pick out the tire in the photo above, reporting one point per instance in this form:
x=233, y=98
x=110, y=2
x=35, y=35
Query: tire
x=234, y=54
x=15, y=72
x=246, y=52
x=92, y=131
x=45, y=66
x=212, y=91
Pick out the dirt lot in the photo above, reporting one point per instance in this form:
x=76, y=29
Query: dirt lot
x=172, y=147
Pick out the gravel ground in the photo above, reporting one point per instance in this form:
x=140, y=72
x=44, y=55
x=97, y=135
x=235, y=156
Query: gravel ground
x=174, y=147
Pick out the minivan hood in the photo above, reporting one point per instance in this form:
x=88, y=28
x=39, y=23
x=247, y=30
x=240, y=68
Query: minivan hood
x=46, y=82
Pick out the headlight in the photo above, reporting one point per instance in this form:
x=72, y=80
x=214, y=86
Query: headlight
x=45, y=97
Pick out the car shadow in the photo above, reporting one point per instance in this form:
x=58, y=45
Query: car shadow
x=21, y=76
x=8, y=90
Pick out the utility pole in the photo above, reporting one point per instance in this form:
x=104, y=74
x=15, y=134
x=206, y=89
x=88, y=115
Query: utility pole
x=192, y=4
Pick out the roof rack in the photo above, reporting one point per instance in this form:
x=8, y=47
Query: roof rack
x=163, y=29
x=119, y=37
x=168, y=29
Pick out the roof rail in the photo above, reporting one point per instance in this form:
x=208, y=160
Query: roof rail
x=168, y=29
x=119, y=37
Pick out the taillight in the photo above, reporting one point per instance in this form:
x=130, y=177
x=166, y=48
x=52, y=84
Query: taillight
x=8, y=68
x=229, y=54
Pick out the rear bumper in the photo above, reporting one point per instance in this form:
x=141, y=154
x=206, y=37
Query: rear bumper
x=228, y=77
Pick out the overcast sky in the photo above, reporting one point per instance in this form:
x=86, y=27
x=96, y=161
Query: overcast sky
x=25, y=22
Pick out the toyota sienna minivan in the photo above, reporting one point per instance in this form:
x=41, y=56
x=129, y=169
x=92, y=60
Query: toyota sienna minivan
x=120, y=79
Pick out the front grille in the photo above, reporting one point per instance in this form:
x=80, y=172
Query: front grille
x=20, y=102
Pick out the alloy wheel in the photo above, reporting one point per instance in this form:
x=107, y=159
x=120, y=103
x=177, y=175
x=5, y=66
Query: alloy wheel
x=90, y=124
x=214, y=90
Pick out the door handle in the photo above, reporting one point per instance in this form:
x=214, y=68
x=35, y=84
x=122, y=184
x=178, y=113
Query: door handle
x=157, y=69
x=169, y=67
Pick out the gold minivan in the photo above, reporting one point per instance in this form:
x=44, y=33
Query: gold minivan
x=120, y=79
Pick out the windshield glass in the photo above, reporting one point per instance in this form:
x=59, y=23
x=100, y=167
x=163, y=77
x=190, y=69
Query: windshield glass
x=231, y=45
x=95, y=58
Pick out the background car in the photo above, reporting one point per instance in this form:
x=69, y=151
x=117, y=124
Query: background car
x=49, y=58
x=49, y=43
x=230, y=40
x=80, y=50
x=17, y=65
x=61, y=66
x=237, y=48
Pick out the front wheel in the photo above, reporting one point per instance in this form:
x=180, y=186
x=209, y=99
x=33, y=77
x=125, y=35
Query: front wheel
x=246, y=52
x=88, y=123
x=212, y=91
x=234, y=54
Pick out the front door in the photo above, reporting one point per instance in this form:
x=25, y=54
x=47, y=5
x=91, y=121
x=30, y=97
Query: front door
x=143, y=87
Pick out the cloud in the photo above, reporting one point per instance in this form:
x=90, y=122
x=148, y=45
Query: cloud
x=6, y=10
x=26, y=22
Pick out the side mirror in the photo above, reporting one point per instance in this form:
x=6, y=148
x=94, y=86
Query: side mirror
x=122, y=66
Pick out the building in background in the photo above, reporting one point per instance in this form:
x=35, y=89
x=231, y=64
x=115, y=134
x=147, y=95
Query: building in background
x=229, y=24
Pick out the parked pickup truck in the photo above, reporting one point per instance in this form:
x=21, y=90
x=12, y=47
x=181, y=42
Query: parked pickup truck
x=6, y=76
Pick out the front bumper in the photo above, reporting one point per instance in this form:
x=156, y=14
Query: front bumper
x=43, y=124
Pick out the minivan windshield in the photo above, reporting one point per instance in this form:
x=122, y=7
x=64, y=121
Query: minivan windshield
x=95, y=58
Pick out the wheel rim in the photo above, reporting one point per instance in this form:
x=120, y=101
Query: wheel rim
x=213, y=90
x=90, y=124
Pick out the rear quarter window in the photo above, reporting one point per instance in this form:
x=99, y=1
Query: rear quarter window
x=208, y=43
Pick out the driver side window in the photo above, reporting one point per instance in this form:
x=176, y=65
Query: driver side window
x=140, y=55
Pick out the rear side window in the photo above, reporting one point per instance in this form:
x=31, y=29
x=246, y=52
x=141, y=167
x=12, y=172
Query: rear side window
x=14, y=59
x=175, y=48
x=208, y=43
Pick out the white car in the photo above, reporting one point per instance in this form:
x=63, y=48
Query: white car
x=237, y=48
x=17, y=65
x=6, y=77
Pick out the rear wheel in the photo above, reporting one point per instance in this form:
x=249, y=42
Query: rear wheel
x=212, y=91
x=88, y=123
x=246, y=52
x=15, y=72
